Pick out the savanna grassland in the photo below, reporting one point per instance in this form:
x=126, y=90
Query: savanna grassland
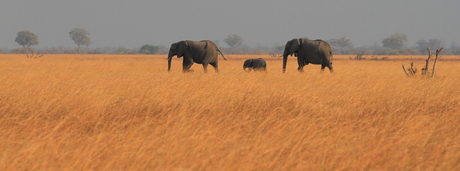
x=126, y=112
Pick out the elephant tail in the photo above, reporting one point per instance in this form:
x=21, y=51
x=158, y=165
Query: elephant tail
x=332, y=57
x=222, y=54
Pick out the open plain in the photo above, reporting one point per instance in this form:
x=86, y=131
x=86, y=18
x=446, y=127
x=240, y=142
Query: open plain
x=126, y=112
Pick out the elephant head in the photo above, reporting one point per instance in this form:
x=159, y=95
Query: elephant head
x=247, y=65
x=290, y=49
x=177, y=49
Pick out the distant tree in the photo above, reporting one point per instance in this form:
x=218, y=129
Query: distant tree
x=432, y=43
x=436, y=44
x=80, y=36
x=149, y=49
x=26, y=39
x=122, y=50
x=409, y=51
x=456, y=51
x=422, y=45
x=455, y=48
x=395, y=41
x=233, y=40
x=341, y=43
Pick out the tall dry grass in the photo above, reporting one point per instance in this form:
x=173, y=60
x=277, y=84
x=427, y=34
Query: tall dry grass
x=109, y=112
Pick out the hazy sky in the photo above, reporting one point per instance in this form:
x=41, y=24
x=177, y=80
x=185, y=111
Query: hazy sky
x=115, y=23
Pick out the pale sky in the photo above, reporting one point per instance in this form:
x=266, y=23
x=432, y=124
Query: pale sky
x=131, y=24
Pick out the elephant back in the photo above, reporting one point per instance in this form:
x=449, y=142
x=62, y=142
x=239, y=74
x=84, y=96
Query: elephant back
x=261, y=62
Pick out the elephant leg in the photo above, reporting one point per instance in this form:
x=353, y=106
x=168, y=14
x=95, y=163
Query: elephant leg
x=216, y=67
x=187, y=68
x=301, y=63
x=300, y=69
x=328, y=65
x=260, y=69
x=186, y=65
x=205, y=68
x=330, y=68
x=322, y=68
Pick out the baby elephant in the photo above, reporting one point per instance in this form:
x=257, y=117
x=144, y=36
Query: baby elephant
x=255, y=64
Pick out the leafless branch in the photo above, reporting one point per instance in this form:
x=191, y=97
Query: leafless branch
x=425, y=72
x=435, y=61
x=31, y=54
x=274, y=55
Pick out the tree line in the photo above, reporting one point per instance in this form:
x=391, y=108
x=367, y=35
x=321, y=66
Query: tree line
x=395, y=44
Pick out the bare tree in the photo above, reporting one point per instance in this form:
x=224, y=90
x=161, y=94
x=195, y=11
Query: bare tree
x=425, y=71
x=31, y=54
x=410, y=72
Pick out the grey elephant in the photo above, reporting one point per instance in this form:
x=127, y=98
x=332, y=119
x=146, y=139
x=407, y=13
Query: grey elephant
x=203, y=52
x=255, y=64
x=309, y=52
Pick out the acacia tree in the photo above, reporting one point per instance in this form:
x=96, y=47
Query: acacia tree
x=80, y=36
x=26, y=39
x=395, y=41
x=233, y=40
x=342, y=43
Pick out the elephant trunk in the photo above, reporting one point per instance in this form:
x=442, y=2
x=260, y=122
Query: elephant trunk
x=246, y=68
x=169, y=61
x=331, y=58
x=285, y=56
x=247, y=64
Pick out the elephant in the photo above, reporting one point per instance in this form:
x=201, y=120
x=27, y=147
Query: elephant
x=203, y=52
x=255, y=64
x=309, y=51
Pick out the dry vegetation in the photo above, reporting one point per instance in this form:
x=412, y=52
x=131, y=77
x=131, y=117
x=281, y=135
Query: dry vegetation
x=115, y=112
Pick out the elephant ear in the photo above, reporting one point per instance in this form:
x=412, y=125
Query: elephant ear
x=187, y=44
x=173, y=47
x=181, y=48
x=294, y=46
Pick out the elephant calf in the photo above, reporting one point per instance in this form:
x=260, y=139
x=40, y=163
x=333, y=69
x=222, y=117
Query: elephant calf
x=255, y=64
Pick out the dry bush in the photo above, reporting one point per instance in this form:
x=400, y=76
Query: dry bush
x=126, y=112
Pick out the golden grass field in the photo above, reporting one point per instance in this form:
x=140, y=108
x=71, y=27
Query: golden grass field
x=126, y=112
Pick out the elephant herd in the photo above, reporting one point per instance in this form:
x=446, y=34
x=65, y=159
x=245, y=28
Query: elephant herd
x=205, y=52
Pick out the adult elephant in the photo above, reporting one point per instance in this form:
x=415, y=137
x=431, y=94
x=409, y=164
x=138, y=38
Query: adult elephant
x=203, y=52
x=308, y=52
x=255, y=64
